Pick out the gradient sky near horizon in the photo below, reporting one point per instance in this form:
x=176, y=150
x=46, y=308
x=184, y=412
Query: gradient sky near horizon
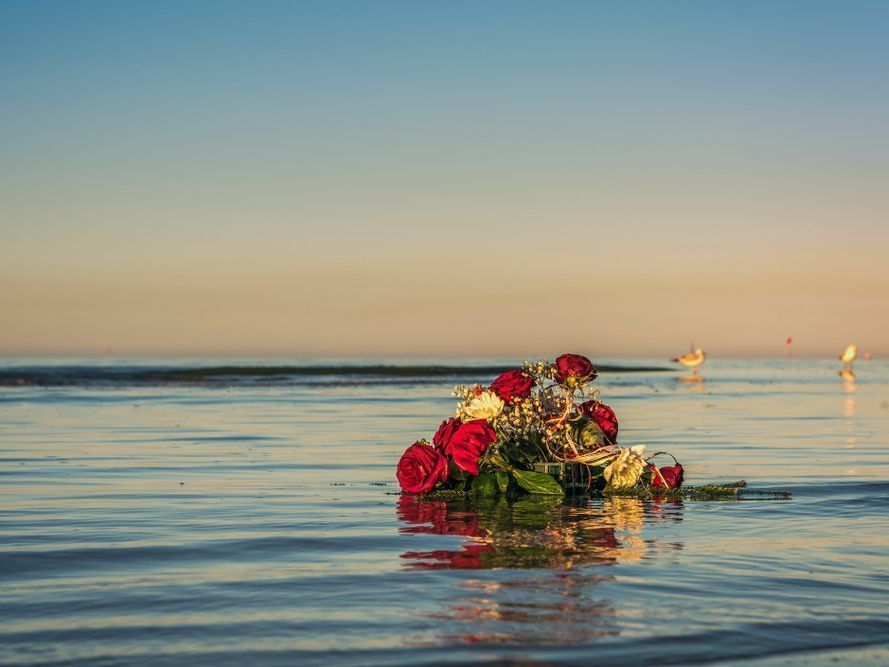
x=443, y=178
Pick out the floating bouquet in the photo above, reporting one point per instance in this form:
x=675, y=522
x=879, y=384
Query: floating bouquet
x=540, y=428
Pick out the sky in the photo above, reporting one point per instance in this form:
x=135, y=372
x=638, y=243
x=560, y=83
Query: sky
x=441, y=179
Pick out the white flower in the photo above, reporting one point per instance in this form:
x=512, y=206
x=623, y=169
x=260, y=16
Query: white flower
x=626, y=469
x=486, y=405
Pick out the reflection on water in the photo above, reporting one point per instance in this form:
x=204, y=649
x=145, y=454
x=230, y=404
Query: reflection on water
x=252, y=525
x=691, y=384
x=532, y=532
x=559, y=544
x=848, y=380
x=546, y=607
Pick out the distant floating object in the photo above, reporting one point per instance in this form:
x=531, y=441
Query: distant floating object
x=789, y=340
x=693, y=359
x=849, y=355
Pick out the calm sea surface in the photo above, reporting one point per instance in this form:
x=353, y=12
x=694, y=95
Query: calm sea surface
x=256, y=522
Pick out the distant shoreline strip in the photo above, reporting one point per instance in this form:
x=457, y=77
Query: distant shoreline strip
x=80, y=375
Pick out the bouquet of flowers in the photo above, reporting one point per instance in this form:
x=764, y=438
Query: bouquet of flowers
x=524, y=431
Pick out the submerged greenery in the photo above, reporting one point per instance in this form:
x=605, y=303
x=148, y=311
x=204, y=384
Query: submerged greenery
x=714, y=491
x=728, y=491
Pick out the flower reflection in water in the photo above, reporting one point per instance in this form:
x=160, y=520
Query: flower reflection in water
x=543, y=558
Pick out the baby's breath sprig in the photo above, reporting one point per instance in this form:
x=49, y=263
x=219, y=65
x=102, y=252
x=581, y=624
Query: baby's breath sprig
x=549, y=417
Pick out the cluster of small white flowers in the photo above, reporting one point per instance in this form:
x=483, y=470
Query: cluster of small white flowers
x=463, y=392
x=589, y=393
x=542, y=370
x=550, y=411
x=521, y=418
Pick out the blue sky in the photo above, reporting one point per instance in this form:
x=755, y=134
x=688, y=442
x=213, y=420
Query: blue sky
x=167, y=168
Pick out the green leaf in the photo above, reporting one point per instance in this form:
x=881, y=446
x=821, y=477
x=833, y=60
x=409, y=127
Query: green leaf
x=485, y=485
x=525, y=452
x=456, y=474
x=589, y=435
x=460, y=479
x=538, y=482
x=502, y=480
x=499, y=460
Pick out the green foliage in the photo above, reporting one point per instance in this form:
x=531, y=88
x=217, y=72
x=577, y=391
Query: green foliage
x=588, y=434
x=497, y=459
x=538, y=482
x=502, y=477
x=441, y=493
x=726, y=491
x=521, y=454
x=459, y=479
x=485, y=485
x=455, y=473
x=544, y=488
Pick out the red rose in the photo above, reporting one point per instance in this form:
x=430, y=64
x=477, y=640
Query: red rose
x=469, y=442
x=420, y=468
x=603, y=417
x=673, y=476
x=574, y=366
x=512, y=385
x=444, y=433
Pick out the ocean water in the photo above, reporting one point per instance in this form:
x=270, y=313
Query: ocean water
x=242, y=519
